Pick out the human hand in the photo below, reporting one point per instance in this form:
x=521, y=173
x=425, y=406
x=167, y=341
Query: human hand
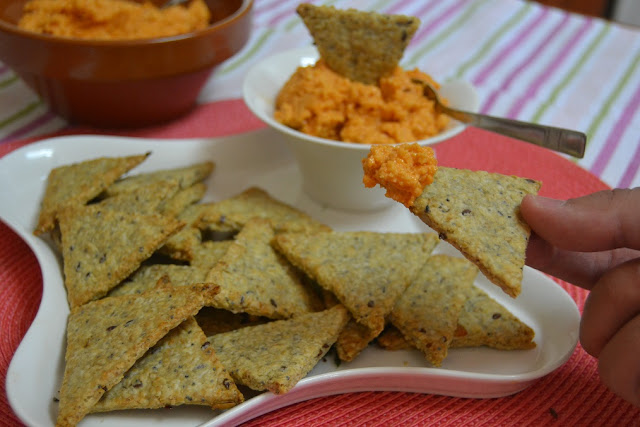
x=594, y=242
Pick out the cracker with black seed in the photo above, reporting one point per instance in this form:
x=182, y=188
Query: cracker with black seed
x=367, y=271
x=362, y=46
x=184, y=177
x=181, y=369
x=217, y=320
x=479, y=213
x=276, y=355
x=106, y=337
x=485, y=322
x=234, y=212
x=427, y=312
x=101, y=247
x=147, y=276
x=255, y=279
x=145, y=200
x=78, y=183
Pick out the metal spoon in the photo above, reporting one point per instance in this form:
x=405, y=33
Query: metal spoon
x=558, y=139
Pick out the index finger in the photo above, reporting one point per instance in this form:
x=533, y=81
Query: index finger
x=597, y=222
x=582, y=269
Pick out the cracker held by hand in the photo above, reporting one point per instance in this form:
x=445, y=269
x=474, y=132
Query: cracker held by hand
x=276, y=355
x=255, y=279
x=367, y=271
x=362, y=46
x=101, y=247
x=76, y=184
x=106, y=337
x=181, y=369
x=479, y=213
x=427, y=312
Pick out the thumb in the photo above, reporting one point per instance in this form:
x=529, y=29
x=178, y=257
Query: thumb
x=597, y=222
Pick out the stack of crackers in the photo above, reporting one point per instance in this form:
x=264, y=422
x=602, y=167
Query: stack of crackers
x=176, y=301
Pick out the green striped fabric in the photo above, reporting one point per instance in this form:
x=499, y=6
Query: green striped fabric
x=526, y=61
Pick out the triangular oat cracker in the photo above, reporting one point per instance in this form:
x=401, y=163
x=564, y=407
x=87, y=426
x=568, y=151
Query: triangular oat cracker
x=276, y=355
x=484, y=321
x=208, y=253
x=76, y=184
x=255, y=279
x=362, y=46
x=215, y=321
x=185, y=177
x=182, y=199
x=427, y=312
x=101, y=247
x=184, y=244
x=479, y=213
x=367, y=271
x=147, y=277
x=106, y=337
x=233, y=213
x=181, y=369
x=145, y=200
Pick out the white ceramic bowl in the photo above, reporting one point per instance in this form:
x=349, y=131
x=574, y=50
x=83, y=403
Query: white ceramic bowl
x=332, y=170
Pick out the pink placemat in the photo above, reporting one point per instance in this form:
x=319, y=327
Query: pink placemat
x=573, y=394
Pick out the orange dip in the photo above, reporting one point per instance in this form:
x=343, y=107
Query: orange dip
x=319, y=102
x=112, y=19
x=404, y=170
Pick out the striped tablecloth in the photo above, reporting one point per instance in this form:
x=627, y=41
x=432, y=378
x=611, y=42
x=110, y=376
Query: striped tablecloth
x=526, y=61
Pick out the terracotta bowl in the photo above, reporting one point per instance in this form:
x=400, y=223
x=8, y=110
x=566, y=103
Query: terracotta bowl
x=122, y=83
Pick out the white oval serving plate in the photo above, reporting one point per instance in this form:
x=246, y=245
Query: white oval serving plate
x=261, y=159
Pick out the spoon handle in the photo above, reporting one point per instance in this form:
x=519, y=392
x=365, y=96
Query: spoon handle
x=558, y=139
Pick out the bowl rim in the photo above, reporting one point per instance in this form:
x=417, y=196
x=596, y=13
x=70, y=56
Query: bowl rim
x=244, y=9
x=311, y=52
